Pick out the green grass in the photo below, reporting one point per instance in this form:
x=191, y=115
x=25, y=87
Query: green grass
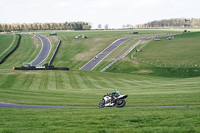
x=182, y=50
x=178, y=57
x=26, y=52
x=74, y=53
x=5, y=41
x=109, y=120
x=82, y=88
x=86, y=88
x=115, y=54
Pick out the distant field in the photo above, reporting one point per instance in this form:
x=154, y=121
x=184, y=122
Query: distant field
x=182, y=50
x=74, y=53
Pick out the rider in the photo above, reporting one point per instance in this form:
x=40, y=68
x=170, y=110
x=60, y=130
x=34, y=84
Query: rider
x=114, y=94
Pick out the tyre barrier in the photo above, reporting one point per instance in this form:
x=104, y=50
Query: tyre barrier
x=2, y=61
x=55, y=52
x=41, y=68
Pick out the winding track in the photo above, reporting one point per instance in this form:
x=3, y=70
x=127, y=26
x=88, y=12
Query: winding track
x=9, y=105
x=46, y=48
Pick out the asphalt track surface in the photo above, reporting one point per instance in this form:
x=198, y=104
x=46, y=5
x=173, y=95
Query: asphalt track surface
x=46, y=48
x=9, y=105
x=95, y=61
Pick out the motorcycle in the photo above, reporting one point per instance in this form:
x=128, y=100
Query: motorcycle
x=111, y=101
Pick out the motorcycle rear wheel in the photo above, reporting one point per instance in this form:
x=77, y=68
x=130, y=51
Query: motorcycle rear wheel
x=120, y=103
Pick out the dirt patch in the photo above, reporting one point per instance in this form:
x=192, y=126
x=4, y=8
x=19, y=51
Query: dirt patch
x=53, y=39
x=143, y=72
x=92, y=52
x=135, y=63
x=30, y=72
x=36, y=41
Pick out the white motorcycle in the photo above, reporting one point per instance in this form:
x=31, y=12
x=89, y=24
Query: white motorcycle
x=111, y=101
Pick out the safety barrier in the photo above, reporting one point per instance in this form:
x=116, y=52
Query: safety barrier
x=54, y=54
x=41, y=68
x=2, y=61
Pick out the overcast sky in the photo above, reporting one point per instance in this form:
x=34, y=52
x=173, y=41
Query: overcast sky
x=113, y=12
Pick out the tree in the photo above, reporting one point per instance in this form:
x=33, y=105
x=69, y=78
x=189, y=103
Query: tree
x=86, y=27
x=99, y=26
x=46, y=26
x=106, y=27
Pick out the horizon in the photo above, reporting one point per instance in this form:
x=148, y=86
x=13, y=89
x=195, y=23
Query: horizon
x=115, y=13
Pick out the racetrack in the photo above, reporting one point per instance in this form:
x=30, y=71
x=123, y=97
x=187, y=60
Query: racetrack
x=46, y=48
x=10, y=105
x=97, y=59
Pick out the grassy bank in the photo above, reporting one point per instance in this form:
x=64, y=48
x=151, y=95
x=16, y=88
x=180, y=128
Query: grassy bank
x=101, y=120
x=82, y=88
x=178, y=57
x=5, y=42
x=27, y=51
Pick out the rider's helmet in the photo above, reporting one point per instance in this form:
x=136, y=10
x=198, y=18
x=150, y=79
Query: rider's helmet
x=115, y=92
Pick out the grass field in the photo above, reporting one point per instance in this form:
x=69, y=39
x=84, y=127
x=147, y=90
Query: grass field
x=182, y=50
x=125, y=120
x=178, y=57
x=26, y=52
x=82, y=88
x=74, y=53
x=86, y=88
x=5, y=41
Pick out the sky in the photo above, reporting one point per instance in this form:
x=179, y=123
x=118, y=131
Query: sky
x=115, y=13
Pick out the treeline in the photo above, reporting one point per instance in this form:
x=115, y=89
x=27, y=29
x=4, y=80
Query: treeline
x=45, y=26
x=175, y=22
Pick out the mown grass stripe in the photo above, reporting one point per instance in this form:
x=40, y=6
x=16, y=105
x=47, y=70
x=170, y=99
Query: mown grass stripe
x=51, y=80
x=20, y=79
x=81, y=81
x=27, y=83
x=59, y=80
x=9, y=81
x=86, y=81
x=66, y=81
x=73, y=81
x=35, y=84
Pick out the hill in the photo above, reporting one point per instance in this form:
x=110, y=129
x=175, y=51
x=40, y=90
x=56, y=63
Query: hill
x=174, y=22
x=177, y=57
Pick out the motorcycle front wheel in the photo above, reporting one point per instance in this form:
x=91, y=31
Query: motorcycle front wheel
x=120, y=103
x=101, y=104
